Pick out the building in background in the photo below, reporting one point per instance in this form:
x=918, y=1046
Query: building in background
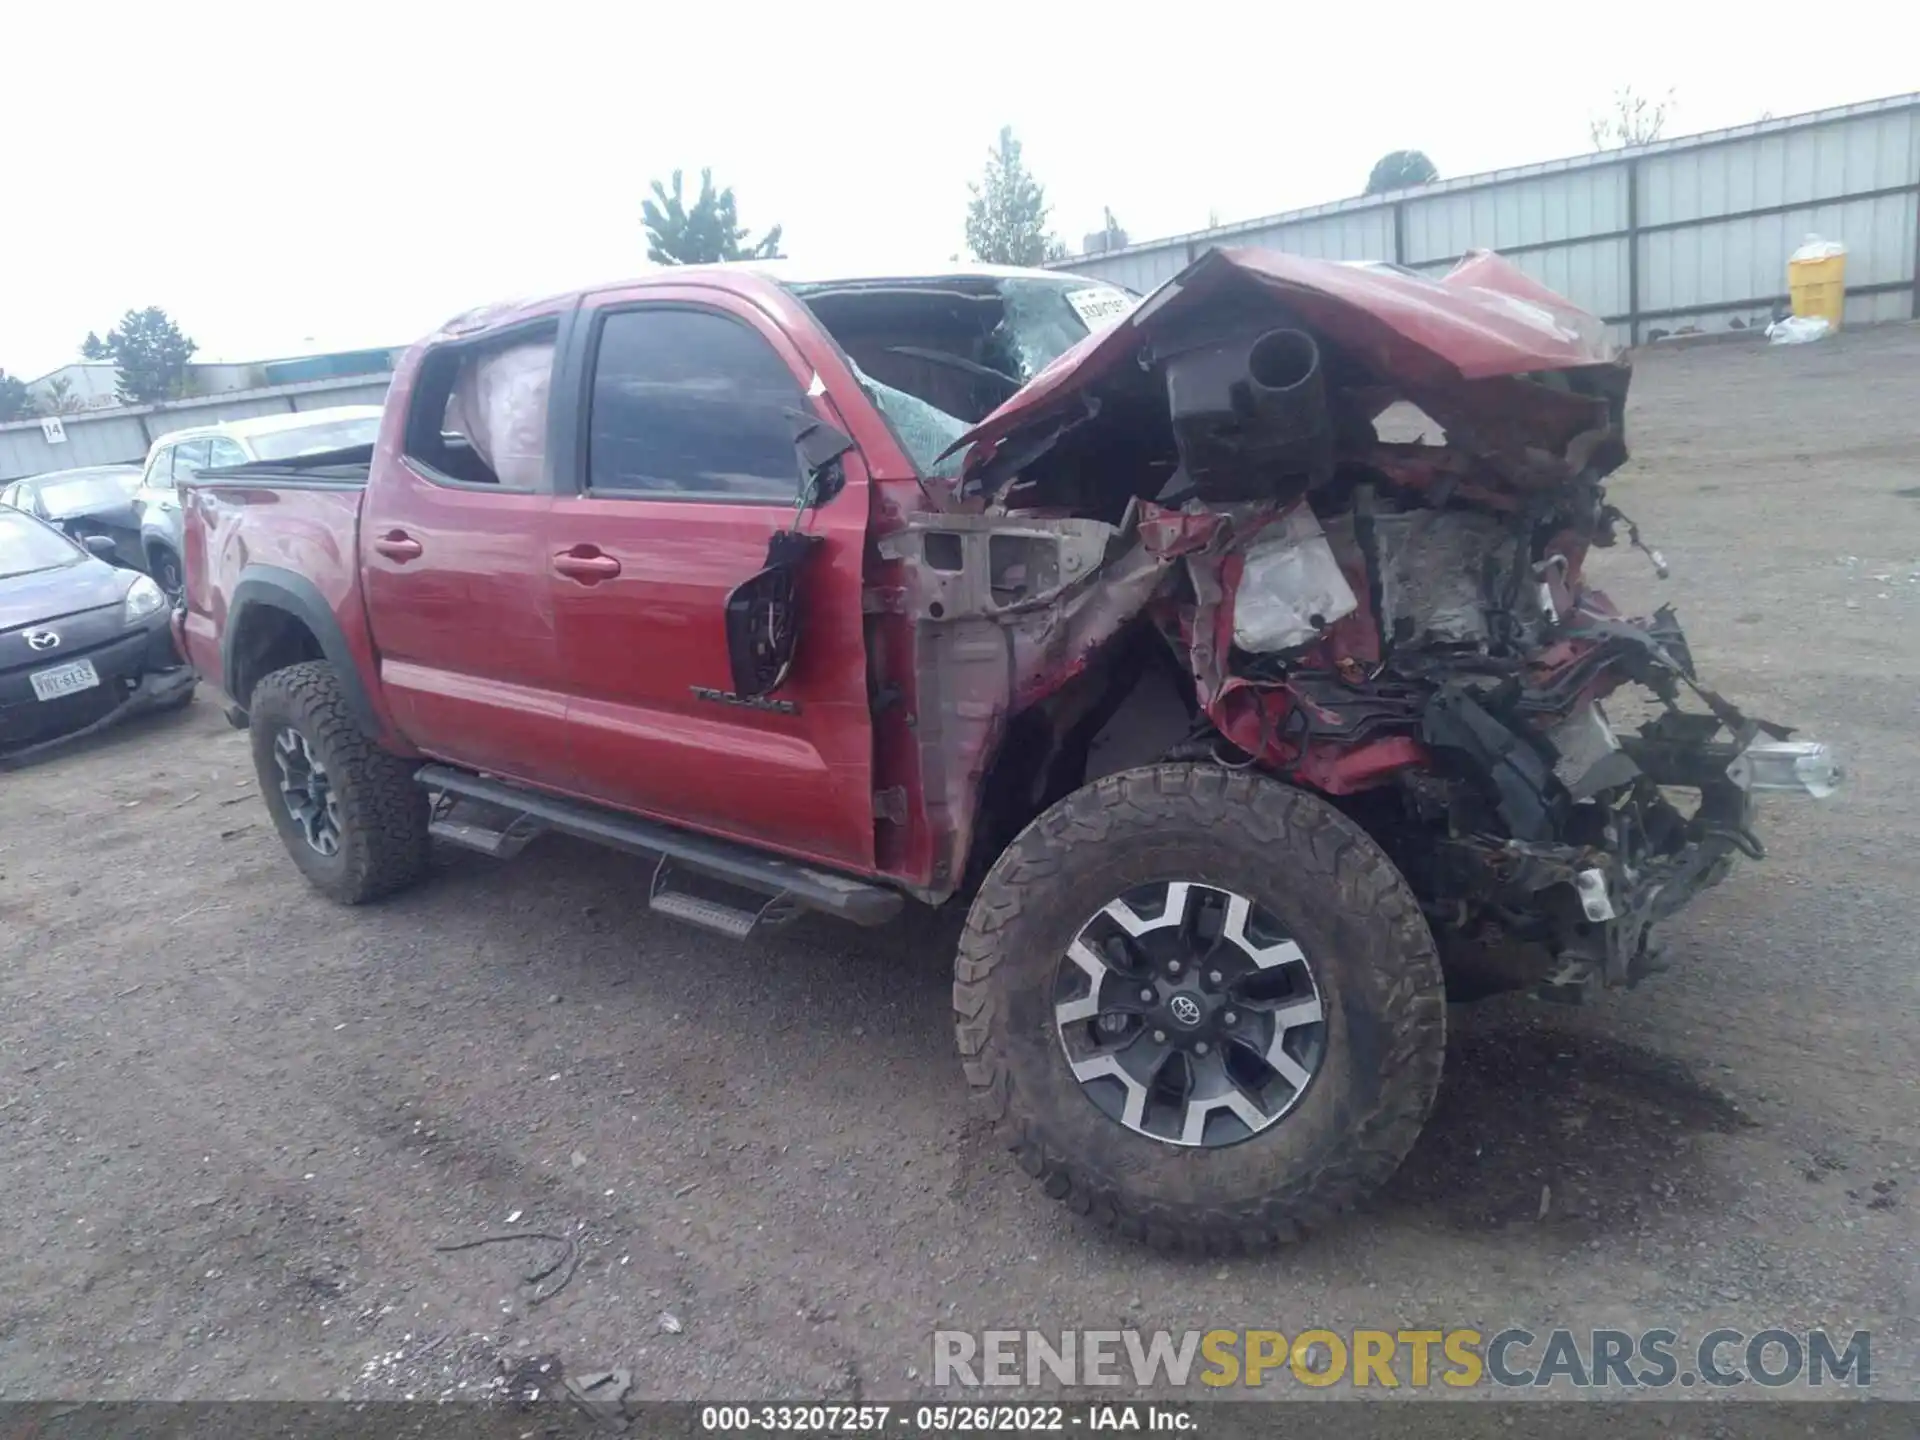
x=89, y=385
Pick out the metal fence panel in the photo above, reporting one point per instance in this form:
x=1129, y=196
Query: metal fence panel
x=1719, y=264
x=1789, y=167
x=1692, y=232
x=1517, y=216
x=108, y=437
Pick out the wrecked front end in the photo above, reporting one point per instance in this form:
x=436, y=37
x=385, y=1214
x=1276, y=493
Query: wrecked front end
x=1353, y=506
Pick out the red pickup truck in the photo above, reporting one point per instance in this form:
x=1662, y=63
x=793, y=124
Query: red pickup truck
x=1244, y=728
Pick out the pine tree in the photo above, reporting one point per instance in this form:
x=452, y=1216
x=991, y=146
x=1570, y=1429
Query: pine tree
x=708, y=232
x=1007, y=216
x=149, y=351
x=15, y=402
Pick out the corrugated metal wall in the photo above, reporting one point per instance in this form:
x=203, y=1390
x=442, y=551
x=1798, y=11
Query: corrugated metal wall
x=123, y=436
x=1687, y=232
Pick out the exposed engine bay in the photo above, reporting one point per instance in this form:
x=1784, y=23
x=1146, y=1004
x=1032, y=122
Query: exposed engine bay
x=1209, y=501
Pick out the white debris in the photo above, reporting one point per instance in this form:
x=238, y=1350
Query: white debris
x=1799, y=329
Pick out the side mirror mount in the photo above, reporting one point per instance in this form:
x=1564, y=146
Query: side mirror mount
x=763, y=618
x=819, y=446
x=100, y=545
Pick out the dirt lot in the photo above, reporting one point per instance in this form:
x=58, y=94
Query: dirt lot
x=237, y=1121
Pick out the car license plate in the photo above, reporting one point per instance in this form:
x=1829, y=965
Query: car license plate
x=64, y=679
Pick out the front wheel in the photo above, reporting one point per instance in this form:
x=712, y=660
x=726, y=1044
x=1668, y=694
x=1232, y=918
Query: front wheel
x=167, y=574
x=349, y=813
x=1201, y=1007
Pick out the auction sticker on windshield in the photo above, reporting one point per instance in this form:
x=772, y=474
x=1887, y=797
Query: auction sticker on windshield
x=1099, y=306
x=64, y=679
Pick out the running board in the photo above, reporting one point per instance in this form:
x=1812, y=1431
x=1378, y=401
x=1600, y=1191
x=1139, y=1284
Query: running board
x=805, y=886
x=718, y=916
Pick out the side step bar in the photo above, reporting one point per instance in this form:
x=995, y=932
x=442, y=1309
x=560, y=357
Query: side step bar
x=842, y=896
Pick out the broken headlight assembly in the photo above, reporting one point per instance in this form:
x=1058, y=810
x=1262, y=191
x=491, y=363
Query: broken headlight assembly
x=1792, y=767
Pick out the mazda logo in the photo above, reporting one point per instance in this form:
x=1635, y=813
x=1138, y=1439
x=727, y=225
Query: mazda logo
x=42, y=639
x=1185, y=1009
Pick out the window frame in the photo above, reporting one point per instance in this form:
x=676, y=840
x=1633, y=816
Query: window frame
x=426, y=392
x=180, y=447
x=586, y=368
x=159, y=474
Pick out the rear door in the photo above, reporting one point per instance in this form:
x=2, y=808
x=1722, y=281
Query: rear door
x=682, y=470
x=453, y=560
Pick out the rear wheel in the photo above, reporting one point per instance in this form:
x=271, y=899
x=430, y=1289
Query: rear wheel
x=349, y=813
x=1201, y=1007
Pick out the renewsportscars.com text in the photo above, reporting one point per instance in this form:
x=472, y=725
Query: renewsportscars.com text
x=1514, y=1358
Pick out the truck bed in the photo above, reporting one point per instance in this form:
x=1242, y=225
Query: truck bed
x=300, y=518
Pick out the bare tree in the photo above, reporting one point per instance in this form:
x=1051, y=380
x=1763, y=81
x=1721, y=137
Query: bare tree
x=1634, y=120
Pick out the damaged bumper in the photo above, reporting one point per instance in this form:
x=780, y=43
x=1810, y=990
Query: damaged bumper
x=1677, y=812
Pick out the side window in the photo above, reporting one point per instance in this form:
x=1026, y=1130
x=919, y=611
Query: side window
x=225, y=452
x=690, y=402
x=160, y=469
x=478, y=413
x=188, y=456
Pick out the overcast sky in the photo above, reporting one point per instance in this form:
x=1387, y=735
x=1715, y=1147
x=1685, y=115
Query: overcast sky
x=289, y=178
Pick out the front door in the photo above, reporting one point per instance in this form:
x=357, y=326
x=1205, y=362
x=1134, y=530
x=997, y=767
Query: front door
x=685, y=471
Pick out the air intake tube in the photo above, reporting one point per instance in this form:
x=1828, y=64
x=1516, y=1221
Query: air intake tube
x=1250, y=414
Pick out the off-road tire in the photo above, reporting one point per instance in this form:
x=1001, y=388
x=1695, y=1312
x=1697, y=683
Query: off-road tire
x=383, y=813
x=1372, y=955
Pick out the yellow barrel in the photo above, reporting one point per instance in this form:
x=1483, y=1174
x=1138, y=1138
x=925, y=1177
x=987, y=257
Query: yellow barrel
x=1818, y=282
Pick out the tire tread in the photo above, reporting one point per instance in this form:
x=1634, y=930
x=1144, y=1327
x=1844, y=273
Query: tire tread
x=1316, y=840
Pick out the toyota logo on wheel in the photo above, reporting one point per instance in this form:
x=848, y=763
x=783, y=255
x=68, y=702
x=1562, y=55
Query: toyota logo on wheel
x=42, y=639
x=1185, y=1009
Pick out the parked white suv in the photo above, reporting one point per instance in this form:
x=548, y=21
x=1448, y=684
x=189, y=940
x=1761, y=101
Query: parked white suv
x=179, y=455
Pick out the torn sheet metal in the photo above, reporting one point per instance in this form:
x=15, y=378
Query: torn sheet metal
x=1006, y=610
x=1441, y=572
x=1291, y=586
x=1485, y=322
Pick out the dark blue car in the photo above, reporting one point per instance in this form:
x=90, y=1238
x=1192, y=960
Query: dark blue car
x=83, y=644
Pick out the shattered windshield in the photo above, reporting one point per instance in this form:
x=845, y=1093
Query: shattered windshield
x=939, y=353
x=924, y=430
x=1045, y=318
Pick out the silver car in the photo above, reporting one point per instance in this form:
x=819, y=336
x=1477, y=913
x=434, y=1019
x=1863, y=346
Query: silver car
x=181, y=454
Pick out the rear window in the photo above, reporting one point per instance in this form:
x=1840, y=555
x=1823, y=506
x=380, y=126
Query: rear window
x=26, y=546
x=316, y=439
x=87, y=492
x=479, y=412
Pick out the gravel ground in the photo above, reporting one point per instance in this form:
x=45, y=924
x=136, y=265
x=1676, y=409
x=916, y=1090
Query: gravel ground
x=237, y=1121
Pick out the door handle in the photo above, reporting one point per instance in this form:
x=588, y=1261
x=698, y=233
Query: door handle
x=586, y=564
x=398, y=545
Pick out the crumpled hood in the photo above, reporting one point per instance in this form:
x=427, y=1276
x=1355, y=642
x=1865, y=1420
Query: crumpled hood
x=1457, y=346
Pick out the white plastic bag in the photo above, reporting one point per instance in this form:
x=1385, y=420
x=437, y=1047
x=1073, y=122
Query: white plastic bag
x=1291, y=587
x=1814, y=248
x=1799, y=329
